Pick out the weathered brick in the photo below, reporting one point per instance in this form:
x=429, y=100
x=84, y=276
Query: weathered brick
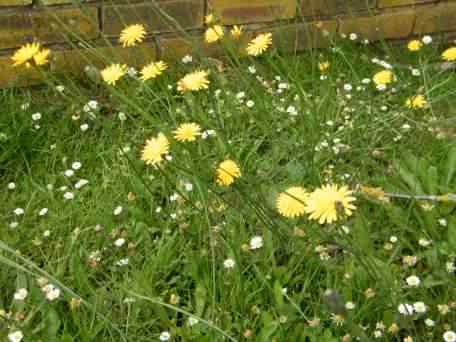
x=15, y=2
x=436, y=18
x=187, y=13
x=297, y=37
x=47, y=26
x=16, y=76
x=310, y=8
x=394, y=3
x=387, y=25
x=244, y=11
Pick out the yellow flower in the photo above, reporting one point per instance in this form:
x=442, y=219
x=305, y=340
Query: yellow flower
x=213, y=34
x=153, y=70
x=113, y=73
x=449, y=54
x=236, y=31
x=325, y=204
x=259, y=44
x=291, y=203
x=132, y=34
x=414, y=45
x=25, y=54
x=417, y=101
x=383, y=77
x=154, y=149
x=323, y=66
x=41, y=57
x=209, y=19
x=227, y=172
x=194, y=81
x=187, y=132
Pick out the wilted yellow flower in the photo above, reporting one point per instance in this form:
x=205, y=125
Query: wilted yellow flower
x=194, y=81
x=236, y=31
x=227, y=172
x=132, y=34
x=41, y=57
x=152, y=70
x=383, y=77
x=187, y=132
x=155, y=149
x=259, y=44
x=417, y=101
x=113, y=73
x=209, y=19
x=325, y=204
x=414, y=45
x=25, y=54
x=213, y=34
x=291, y=203
x=323, y=66
x=449, y=54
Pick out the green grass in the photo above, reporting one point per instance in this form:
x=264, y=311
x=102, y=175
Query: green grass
x=176, y=248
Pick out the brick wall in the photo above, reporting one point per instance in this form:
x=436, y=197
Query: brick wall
x=87, y=32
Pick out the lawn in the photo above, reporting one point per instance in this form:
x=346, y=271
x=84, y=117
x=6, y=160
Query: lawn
x=263, y=198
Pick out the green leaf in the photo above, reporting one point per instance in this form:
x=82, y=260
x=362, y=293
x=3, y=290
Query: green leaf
x=450, y=166
x=52, y=324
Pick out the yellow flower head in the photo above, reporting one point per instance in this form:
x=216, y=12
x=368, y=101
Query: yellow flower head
x=449, y=54
x=323, y=66
x=325, y=204
x=113, y=73
x=194, y=81
x=383, y=77
x=155, y=149
x=25, y=54
x=153, y=70
x=209, y=19
x=414, y=45
x=291, y=203
x=227, y=172
x=213, y=34
x=187, y=132
x=259, y=44
x=417, y=101
x=41, y=57
x=236, y=32
x=132, y=34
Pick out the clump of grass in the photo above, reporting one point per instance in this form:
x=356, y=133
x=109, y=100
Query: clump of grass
x=263, y=198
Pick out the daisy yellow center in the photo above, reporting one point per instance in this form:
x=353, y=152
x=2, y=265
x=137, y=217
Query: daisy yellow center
x=154, y=149
x=194, y=81
x=291, y=203
x=132, y=34
x=227, y=172
x=383, y=77
x=213, y=34
x=327, y=203
x=187, y=132
x=259, y=44
x=449, y=54
x=153, y=70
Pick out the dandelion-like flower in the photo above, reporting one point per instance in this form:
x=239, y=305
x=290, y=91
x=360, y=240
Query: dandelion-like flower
x=323, y=66
x=154, y=149
x=213, y=34
x=227, y=172
x=41, y=57
x=325, y=204
x=25, y=54
x=187, y=132
x=132, y=34
x=236, y=32
x=113, y=73
x=153, y=70
x=417, y=101
x=383, y=77
x=259, y=44
x=194, y=81
x=291, y=203
x=449, y=54
x=414, y=45
x=209, y=19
